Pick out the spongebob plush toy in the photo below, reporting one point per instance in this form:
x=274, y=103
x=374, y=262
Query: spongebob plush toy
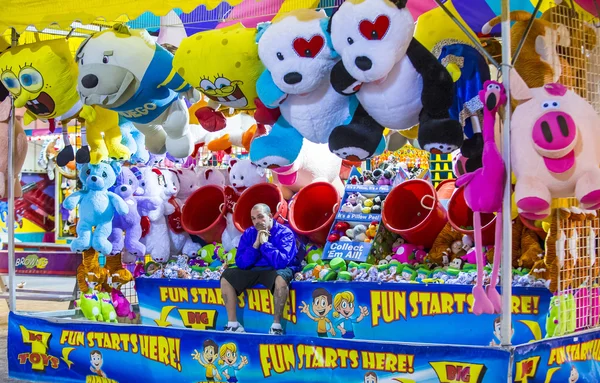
x=43, y=78
x=124, y=70
x=223, y=64
x=469, y=69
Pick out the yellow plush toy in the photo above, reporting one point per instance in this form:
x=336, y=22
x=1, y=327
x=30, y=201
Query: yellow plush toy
x=224, y=65
x=43, y=78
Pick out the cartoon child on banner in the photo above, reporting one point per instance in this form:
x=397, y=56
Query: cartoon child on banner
x=207, y=359
x=574, y=376
x=344, y=307
x=370, y=377
x=96, y=361
x=321, y=306
x=496, y=341
x=229, y=357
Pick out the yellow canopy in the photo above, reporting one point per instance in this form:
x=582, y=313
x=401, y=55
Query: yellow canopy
x=20, y=14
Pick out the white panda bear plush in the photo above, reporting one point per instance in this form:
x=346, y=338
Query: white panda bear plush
x=396, y=79
x=296, y=51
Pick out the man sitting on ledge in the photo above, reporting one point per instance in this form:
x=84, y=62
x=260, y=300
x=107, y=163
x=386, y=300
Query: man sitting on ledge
x=267, y=254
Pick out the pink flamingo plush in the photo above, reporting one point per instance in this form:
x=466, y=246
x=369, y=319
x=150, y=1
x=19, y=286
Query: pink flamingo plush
x=484, y=189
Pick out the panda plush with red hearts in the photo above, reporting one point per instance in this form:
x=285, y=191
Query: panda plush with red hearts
x=396, y=79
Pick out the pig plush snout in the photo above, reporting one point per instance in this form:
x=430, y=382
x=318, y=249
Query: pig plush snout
x=554, y=134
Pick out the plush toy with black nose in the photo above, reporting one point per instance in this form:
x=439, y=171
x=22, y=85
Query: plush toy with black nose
x=396, y=79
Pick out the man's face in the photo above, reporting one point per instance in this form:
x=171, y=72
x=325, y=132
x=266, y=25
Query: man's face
x=320, y=306
x=370, y=379
x=96, y=360
x=261, y=220
x=209, y=354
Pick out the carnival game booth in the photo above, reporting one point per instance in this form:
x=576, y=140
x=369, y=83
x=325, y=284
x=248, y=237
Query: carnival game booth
x=400, y=269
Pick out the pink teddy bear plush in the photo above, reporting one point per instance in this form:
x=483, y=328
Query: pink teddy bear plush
x=408, y=253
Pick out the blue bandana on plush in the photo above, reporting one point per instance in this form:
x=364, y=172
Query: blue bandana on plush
x=296, y=51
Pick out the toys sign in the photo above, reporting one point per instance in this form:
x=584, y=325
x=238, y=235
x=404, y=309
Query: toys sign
x=43, y=350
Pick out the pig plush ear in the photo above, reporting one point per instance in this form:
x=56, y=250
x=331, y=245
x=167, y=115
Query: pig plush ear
x=231, y=163
x=518, y=88
x=207, y=173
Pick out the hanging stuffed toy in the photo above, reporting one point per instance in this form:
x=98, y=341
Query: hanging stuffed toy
x=297, y=53
x=130, y=223
x=90, y=278
x=484, y=189
x=397, y=81
x=97, y=207
x=539, y=62
x=242, y=175
x=43, y=78
x=186, y=183
x=155, y=184
x=19, y=149
x=125, y=71
x=228, y=73
x=117, y=277
x=314, y=163
x=469, y=69
x=555, y=148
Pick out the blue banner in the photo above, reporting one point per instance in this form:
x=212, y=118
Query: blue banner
x=573, y=359
x=408, y=312
x=61, y=351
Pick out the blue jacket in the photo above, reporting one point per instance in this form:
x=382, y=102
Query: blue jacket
x=280, y=252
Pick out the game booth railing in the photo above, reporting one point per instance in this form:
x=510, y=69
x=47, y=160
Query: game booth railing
x=420, y=331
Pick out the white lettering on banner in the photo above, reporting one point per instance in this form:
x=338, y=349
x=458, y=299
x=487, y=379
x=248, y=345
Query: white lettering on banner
x=140, y=111
x=347, y=246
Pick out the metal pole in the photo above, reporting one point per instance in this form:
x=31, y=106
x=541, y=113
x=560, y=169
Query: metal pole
x=10, y=222
x=529, y=25
x=506, y=324
x=475, y=41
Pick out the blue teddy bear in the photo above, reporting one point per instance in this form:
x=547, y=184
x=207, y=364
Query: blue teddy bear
x=97, y=207
x=298, y=56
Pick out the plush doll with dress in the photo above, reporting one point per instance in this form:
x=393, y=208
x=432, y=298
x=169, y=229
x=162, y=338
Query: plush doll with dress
x=297, y=53
x=396, y=79
x=129, y=224
x=97, y=207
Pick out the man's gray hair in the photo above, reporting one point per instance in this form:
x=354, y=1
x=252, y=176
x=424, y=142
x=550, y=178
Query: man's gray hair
x=263, y=207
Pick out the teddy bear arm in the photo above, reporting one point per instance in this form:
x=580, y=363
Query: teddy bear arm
x=270, y=95
x=342, y=81
x=73, y=200
x=438, y=87
x=120, y=206
x=442, y=242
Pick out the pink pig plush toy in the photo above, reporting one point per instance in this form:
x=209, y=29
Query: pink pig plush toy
x=555, y=148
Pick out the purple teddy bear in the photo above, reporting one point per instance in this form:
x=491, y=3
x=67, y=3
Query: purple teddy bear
x=125, y=186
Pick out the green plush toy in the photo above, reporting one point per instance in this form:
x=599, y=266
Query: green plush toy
x=554, y=326
x=423, y=273
x=314, y=255
x=229, y=257
x=90, y=306
x=212, y=254
x=337, y=264
x=344, y=276
x=108, y=310
x=327, y=275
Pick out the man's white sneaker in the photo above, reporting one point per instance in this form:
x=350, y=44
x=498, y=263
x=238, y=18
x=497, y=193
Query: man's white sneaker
x=275, y=331
x=237, y=328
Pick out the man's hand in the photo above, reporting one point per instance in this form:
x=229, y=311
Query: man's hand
x=264, y=236
x=343, y=331
x=257, y=242
x=332, y=331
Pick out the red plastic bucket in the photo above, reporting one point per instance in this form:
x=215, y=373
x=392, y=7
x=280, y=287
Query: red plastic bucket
x=413, y=210
x=313, y=210
x=201, y=214
x=459, y=214
x=260, y=193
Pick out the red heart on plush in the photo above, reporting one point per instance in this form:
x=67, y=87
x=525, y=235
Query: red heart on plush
x=264, y=115
x=309, y=48
x=210, y=119
x=374, y=30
